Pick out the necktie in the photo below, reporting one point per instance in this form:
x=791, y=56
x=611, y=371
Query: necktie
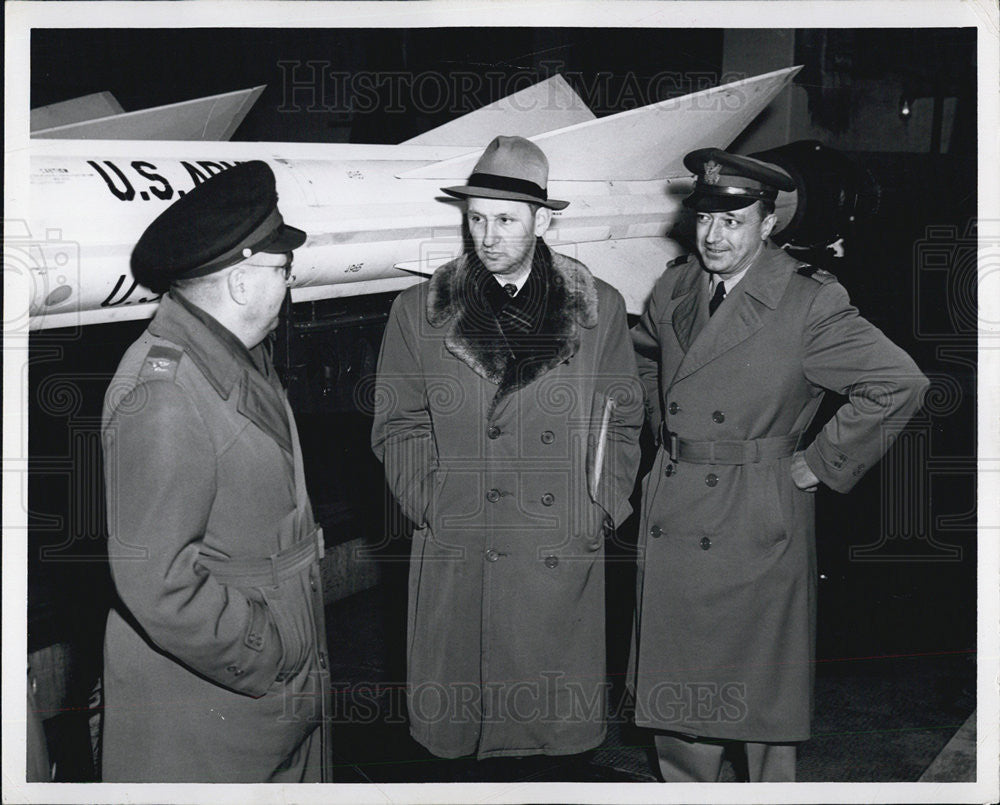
x=717, y=297
x=510, y=289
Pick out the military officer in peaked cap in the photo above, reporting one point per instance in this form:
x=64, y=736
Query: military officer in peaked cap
x=735, y=349
x=508, y=424
x=215, y=654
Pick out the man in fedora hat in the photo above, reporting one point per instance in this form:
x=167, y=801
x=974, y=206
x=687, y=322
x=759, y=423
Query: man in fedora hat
x=508, y=420
x=735, y=349
x=215, y=654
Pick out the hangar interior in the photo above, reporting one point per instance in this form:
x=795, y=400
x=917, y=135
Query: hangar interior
x=897, y=558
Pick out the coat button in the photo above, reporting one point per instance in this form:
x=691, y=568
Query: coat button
x=548, y=437
x=705, y=543
x=493, y=495
x=655, y=532
x=493, y=432
x=551, y=561
x=668, y=470
x=718, y=417
x=711, y=479
x=548, y=499
x=673, y=408
x=491, y=555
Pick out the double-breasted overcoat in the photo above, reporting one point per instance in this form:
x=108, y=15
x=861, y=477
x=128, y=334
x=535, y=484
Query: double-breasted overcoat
x=511, y=492
x=215, y=657
x=726, y=591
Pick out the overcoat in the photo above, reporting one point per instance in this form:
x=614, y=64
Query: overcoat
x=511, y=491
x=215, y=656
x=726, y=590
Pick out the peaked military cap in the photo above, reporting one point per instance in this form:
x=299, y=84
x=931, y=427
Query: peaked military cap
x=730, y=181
x=226, y=219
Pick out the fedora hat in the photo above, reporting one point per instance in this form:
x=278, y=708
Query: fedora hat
x=510, y=168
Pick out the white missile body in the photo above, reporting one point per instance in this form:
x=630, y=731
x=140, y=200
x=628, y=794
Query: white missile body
x=375, y=214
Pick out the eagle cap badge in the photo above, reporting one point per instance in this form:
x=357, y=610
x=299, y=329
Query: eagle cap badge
x=712, y=171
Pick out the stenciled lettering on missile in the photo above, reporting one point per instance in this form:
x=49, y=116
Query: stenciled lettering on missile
x=141, y=180
x=126, y=298
x=354, y=268
x=355, y=175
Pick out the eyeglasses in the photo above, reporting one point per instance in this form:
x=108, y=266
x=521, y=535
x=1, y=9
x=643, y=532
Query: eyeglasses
x=286, y=269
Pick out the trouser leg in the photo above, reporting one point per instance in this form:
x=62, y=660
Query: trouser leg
x=770, y=763
x=685, y=760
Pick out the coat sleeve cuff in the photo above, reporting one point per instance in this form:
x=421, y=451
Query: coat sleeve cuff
x=255, y=662
x=832, y=466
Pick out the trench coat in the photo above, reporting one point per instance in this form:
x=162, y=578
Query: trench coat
x=215, y=655
x=512, y=496
x=726, y=583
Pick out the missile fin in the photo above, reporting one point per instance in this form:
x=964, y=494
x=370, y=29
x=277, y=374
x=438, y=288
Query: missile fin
x=632, y=265
x=75, y=110
x=214, y=118
x=642, y=144
x=552, y=104
x=424, y=267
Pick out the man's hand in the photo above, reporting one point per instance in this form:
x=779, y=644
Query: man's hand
x=802, y=476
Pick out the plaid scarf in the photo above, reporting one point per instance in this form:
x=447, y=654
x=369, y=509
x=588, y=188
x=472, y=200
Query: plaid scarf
x=519, y=321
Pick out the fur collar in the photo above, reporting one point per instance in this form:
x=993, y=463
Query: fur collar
x=572, y=304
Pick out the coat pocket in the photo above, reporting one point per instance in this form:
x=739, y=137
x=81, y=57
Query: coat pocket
x=770, y=527
x=290, y=610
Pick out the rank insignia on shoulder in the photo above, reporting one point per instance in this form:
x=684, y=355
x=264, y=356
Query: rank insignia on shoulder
x=161, y=362
x=678, y=261
x=821, y=276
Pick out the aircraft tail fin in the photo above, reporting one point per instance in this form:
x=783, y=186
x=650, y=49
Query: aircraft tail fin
x=552, y=104
x=641, y=144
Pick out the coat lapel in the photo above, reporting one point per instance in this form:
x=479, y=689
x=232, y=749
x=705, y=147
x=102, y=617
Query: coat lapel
x=687, y=317
x=743, y=312
x=258, y=400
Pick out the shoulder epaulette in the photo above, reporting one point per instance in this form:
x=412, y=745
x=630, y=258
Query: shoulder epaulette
x=160, y=363
x=678, y=261
x=813, y=272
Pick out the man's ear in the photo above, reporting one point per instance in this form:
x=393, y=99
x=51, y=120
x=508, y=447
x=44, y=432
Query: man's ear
x=236, y=284
x=767, y=225
x=543, y=217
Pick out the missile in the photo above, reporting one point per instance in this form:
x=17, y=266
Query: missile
x=376, y=218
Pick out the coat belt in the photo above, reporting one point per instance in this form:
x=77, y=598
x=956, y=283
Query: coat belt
x=269, y=571
x=727, y=452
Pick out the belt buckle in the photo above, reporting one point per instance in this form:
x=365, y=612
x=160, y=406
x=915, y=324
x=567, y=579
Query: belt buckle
x=673, y=442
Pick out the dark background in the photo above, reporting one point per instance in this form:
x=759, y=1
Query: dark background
x=897, y=556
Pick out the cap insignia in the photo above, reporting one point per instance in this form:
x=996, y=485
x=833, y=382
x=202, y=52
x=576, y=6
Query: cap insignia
x=712, y=171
